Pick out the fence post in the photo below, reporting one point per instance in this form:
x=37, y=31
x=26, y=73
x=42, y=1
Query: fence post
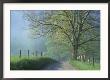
x=28, y=53
x=41, y=53
x=20, y=53
x=93, y=60
x=88, y=60
x=84, y=57
x=36, y=53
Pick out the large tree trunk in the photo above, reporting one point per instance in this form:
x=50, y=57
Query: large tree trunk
x=75, y=52
x=76, y=48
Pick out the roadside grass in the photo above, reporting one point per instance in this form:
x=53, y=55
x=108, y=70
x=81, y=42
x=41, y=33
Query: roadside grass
x=16, y=58
x=31, y=63
x=80, y=65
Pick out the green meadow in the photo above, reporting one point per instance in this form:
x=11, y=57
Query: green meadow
x=31, y=63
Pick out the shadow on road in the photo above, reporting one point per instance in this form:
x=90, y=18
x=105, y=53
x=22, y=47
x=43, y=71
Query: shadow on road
x=60, y=66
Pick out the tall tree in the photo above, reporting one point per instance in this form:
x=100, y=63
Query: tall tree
x=74, y=26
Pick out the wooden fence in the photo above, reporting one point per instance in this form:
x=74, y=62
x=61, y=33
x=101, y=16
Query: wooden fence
x=81, y=57
x=28, y=53
x=88, y=59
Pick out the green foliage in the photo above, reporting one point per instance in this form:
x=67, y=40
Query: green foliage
x=91, y=49
x=57, y=50
x=31, y=63
x=84, y=65
x=74, y=28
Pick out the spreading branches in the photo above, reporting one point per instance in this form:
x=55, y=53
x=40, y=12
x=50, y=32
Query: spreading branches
x=73, y=25
x=91, y=39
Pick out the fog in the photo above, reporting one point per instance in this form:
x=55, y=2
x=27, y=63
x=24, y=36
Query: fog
x=21, y=37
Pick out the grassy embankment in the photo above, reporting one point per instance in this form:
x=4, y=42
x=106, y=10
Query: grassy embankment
x=31, y=63
x=80, y=65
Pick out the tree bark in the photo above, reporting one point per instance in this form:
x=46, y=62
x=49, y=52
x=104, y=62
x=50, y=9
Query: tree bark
x=75, y=52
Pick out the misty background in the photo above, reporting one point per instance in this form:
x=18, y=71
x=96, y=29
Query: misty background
x=21, y=37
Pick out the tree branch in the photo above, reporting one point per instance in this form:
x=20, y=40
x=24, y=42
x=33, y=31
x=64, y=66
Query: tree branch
x=91, y=39
x=72, y=25
x=63, y=30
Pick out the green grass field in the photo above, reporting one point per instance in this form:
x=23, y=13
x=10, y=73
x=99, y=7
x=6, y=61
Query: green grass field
x=84, y=65
x=31, y=63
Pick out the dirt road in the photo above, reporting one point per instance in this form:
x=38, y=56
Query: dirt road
x=60, y=66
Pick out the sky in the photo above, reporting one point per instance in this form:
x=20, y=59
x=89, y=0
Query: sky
x=20, y=35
